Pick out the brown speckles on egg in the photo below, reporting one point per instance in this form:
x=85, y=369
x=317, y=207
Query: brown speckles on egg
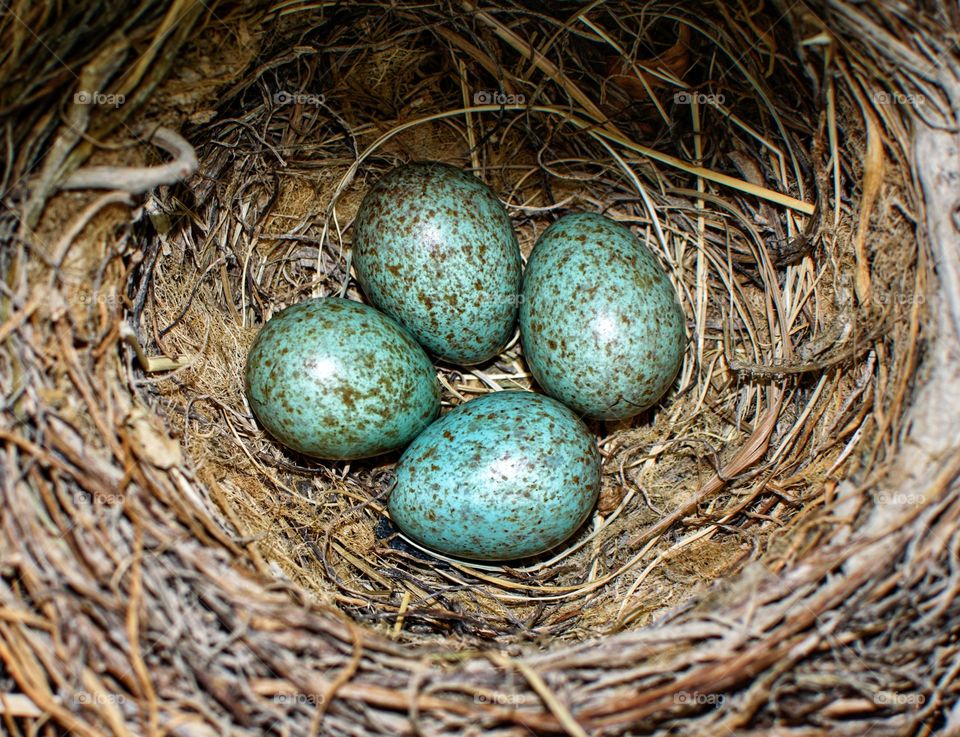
x=599, y=321
x=457, y=292
x=515, y=473
x=337, y=379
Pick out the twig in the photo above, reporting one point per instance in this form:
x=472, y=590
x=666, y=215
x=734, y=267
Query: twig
x=140, y=179
x=62, y=246
x=150, y=364
x=561, y=712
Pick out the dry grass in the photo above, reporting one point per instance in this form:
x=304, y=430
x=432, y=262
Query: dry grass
x=276, y=230
x=193, y=554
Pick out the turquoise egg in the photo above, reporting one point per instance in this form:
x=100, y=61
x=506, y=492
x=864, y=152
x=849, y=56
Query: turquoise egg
x=434, y=248
x=337, y=379
x=600, y=324
x=503, y=476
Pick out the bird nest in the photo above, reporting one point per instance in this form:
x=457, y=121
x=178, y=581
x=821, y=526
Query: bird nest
x=776, y=546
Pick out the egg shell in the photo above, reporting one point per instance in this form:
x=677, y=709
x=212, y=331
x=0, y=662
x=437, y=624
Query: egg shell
x=434, y=248
x=337, y=379
x=600, y=324
x=504, y=476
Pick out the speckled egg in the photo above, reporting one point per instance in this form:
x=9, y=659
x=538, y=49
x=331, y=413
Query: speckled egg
x=337, y=379
x=434, y=248
x=503, y=476
x=600, y=324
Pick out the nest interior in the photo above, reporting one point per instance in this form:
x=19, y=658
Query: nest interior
x=775, y=548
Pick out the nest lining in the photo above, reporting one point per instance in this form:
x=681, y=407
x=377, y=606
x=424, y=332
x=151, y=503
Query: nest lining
x=805, y=343
x=296, y=186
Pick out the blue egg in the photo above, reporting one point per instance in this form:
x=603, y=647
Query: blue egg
x=504, y=476
x=434, y=248
x=337, y=379
x=600, y=324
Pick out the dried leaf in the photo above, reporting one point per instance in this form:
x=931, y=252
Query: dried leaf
x=152, y=444
x=675, y=61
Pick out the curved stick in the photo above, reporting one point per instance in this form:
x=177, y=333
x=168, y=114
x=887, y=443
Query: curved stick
x=140, y=179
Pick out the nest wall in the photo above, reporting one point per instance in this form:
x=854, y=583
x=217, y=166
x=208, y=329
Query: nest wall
x=775, y=550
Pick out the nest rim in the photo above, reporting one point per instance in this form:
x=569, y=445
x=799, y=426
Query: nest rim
x=834, y=572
